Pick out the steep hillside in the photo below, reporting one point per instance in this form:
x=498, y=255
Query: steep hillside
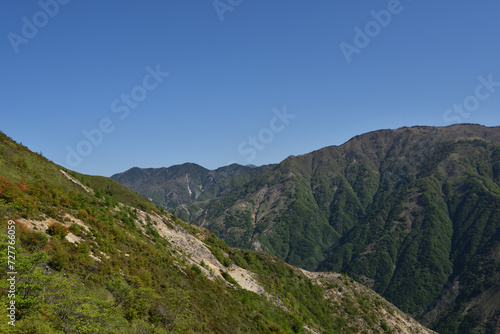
x=413, y=213
x=90, y=256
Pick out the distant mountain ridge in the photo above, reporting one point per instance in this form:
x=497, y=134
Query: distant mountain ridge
x=180, y=185
x=413, y=213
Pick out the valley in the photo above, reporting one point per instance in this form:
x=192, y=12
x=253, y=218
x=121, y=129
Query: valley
x=96, y=257
x=412, y=213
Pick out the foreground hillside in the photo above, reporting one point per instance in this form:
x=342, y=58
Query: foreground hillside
x=413, y=213
x=93, y=257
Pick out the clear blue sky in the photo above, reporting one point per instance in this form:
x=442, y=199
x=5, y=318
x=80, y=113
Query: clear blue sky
x=74, y=66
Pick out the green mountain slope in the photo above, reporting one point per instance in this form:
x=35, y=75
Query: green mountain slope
x=93, y=257
x=412, y=213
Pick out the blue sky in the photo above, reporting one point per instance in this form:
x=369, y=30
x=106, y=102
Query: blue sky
x=158, y=83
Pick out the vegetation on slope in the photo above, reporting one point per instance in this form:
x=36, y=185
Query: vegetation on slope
x=180, y=185
x=87, y=263
x=412, y=213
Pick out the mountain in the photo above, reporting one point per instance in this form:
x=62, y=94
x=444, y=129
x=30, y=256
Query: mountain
x=413, y=213
x=87, y=255
x=177, y=186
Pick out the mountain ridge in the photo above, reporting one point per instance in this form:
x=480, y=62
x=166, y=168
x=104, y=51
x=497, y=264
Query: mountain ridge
x=374, y=207
x=180, y=185
x=92, y=256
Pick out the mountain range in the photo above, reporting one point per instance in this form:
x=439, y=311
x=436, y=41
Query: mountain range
x=88, y=255
x=178, y=186
x=413, y=213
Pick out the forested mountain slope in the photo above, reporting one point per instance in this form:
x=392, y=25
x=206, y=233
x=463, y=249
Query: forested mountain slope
x=176, y=186
x=413, y=213
x=91, y=256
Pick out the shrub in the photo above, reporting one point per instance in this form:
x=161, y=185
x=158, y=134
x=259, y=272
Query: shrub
x=226, y=262
x=57, y=230
x=35, y=241
x=196, y=269
x=35, y=323
x=384, y=326
x=83, y=249
x=82, y=214
x=75, y=229
x=59, y=256
x=229, y=278
x=51, y=212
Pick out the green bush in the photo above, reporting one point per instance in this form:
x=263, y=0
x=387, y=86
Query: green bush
x=383, y=325
x=82, y=214
x=229, y=278
x=35, y=241
x=226, y=262
x=52, y=212
x=58, y=255
x=196, y=269
x=75, y=229
x=57, y=230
